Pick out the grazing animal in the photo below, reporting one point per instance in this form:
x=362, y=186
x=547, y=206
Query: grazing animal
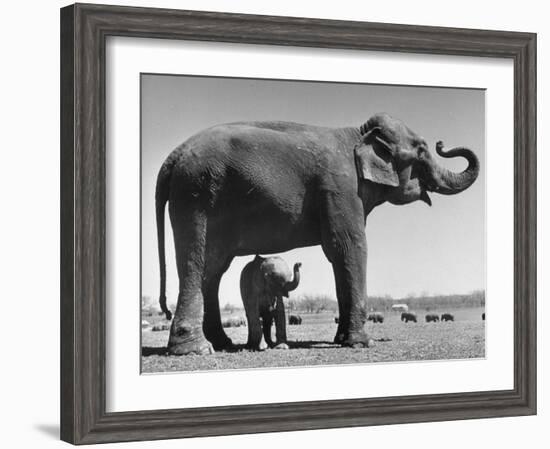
x=295, y=320
x=266, y=187
x=432, y=317
x=375, y=317
x=447, y=317
x=264, y=283
x=234, y=322
x=408, y=316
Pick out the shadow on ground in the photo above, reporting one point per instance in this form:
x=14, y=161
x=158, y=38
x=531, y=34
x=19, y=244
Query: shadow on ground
x=147, y=351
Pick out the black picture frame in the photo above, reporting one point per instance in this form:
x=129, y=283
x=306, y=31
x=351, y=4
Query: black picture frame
x=84, y=29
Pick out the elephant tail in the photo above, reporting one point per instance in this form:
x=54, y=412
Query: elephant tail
x=161, y=198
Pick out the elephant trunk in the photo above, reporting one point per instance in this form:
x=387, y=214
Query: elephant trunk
x=447, y=182
x=291, y=285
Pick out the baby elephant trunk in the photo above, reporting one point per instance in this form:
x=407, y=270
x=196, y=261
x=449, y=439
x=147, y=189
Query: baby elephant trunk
x=292, y=285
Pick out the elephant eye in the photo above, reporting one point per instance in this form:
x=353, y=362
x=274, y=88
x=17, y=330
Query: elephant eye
x=420, y=143
x=422, y=149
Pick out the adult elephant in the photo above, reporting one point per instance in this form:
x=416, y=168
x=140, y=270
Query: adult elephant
x=264, y=283
x=268, y=187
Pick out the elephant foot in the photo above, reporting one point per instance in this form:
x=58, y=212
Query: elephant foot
x=193, y=347
x=184, y=341
x=358, y=340
x=339, y=338
x=215, y=334
x=222, y=345
x=281, y=346
x=221, y=342
x=262, y=346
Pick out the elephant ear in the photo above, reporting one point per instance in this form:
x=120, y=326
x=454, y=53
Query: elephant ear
x=375, y=162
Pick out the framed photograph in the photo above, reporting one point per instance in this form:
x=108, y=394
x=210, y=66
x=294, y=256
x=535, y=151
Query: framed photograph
x=221, y=177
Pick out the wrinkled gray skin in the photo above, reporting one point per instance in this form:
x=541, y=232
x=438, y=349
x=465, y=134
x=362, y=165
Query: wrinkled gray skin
x=268, y=187
x=264, y=283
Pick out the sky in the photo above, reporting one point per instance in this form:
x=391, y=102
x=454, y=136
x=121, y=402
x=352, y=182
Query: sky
x=412, y=249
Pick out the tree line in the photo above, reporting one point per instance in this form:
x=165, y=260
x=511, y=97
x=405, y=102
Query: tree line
x=475, y=298
x=324, y=303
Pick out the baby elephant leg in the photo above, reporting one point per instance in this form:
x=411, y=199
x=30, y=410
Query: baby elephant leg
x=254, y=329
x=267, y=320
x=280, y=324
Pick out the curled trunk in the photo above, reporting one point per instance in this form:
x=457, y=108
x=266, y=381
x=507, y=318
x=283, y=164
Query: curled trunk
x=292, y=285
x=447, y=182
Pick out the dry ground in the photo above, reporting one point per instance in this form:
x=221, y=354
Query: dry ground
x=311, y=344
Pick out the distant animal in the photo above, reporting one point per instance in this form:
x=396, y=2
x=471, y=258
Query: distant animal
x=375, y=317
x=264, y=282
x=234, y=322
x=336, y=319
x=400, y=308
x=432, y=317
x=447, y=317
x=408, y=316
x=295, y=320
x=483, y=316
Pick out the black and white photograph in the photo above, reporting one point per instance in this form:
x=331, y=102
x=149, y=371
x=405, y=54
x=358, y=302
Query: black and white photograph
x=293, y=223
x=284, y=224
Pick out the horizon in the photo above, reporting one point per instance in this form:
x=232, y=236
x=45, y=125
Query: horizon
x=333, y=298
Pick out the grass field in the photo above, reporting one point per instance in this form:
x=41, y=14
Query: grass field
x=311, y=344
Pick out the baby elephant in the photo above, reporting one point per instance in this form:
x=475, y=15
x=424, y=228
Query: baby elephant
x=264, y=282
x=432, y=317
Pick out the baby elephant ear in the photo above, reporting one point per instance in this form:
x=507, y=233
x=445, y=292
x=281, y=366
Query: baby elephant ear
x=374, y=163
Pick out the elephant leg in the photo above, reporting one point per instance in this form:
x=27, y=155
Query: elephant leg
x=254, y=326
x=340, y=335
x=186, y=332
x=267, y=320
x=349, y=266
x=216, y=266
x=343, y=310
x=280, y=324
